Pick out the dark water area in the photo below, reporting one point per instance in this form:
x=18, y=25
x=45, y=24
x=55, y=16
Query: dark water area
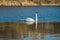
x=48, y=36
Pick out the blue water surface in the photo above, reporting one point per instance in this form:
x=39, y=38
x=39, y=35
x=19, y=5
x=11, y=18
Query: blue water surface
x=45, y=14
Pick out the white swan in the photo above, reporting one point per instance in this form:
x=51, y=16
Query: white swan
x=29, y=21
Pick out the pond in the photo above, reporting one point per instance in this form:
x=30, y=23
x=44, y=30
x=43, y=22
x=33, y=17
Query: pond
x=45, y=14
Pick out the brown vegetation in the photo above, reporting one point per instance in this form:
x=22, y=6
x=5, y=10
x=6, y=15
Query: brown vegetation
x=29, y=2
